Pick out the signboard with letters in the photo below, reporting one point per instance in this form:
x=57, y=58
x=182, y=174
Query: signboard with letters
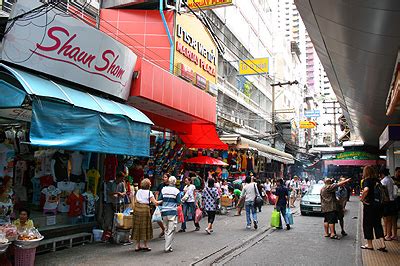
x=208, y=4
x=69, y=49
x=312, y=113
x=308, y=124
x=253, y=66
x=195, y=49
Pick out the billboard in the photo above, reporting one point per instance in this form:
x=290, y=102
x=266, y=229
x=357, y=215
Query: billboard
x=208, y=4
x=253, y=66
x=308, y=124
x=69, y=49
x=312, y=113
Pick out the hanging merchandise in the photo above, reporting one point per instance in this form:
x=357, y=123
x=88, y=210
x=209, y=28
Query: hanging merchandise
x=52, y=195
x=93, y=177
x=77, y=171
x=89, y=207
x=75, y=201
x=110, y=167
x=65, y=188
x=59, y=165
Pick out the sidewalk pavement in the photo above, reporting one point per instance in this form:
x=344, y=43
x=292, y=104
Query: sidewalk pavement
x=189, y=247
x=375, y=257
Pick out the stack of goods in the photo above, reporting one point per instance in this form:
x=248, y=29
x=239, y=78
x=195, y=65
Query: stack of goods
x=9, y=231
x=28, y=238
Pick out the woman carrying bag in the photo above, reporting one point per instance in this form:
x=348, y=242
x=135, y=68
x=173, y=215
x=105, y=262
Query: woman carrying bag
x=189, y=204
x=210, y=201
x=142, y=227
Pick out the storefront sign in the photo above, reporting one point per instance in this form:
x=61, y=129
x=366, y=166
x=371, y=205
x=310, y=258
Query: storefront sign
x=208, y=4
x=17, y=114
x=69, y=49
x=308, y=124
x=185, y=72
x=253, y=66
x=356, y=155
x=201, y=82
x=195, y=48
x=312, y=113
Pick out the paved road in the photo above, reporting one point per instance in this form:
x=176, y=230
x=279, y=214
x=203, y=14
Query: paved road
x=304, y=245
x=189, y=247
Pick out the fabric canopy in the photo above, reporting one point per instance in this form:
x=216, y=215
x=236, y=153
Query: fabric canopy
x=206, y=160
x=203, y=136
x=65, y=118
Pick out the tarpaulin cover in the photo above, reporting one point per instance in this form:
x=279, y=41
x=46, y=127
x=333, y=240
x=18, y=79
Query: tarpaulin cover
x=10, y=96
x=59, y=125
x=203, y=136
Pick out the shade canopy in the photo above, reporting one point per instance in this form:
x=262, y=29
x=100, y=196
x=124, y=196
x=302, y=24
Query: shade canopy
x=203, y=136
x=205, y=160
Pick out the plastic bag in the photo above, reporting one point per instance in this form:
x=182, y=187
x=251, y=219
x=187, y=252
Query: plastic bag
x=127, y=211
x=181, y=218
x=156, y=216
x=289, y=216
x=199, y=215
x=275, y=218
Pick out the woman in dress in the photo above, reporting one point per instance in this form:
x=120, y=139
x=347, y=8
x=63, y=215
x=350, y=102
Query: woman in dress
x=142, y=227
x=210, y=201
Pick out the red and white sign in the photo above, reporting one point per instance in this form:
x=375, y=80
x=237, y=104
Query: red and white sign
x=67, y=48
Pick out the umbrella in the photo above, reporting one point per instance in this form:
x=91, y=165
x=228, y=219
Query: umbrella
x=205, y=160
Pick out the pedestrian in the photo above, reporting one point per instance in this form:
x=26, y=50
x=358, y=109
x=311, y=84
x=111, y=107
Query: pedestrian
x=249, y=194
x=341, y=196
x=239, y=201
x=267, y=189
x=170, y=197
x=371, y=210
x=210, y=202
x=164, y=183
x=142, y=227
x=396, y=180
x=261, y=193
x=281, y=202
x=294, y=187
x=189, y=204
x=329, y=206
x=389, y=206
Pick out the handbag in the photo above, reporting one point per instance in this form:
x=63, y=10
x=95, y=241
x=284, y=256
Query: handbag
x=156, y=216
x=289, y=216
x=198, y=216
x=181, y=218
x=258, y=201
x=275, y=218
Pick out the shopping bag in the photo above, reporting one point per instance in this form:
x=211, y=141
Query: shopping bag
x=156, y=216
x=272, y=199
x=289, y=216
x=181, y=218
x=275, y=218
x=199, y=215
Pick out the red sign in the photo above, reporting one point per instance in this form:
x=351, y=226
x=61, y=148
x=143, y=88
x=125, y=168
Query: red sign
x=201, y=82
x=186, y=72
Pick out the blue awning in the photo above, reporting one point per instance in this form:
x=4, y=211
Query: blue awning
x=65, y=118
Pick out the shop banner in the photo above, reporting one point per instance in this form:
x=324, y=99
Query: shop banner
x=308, y=124
x=255, y=66
x=208, y=4
x=59, y=45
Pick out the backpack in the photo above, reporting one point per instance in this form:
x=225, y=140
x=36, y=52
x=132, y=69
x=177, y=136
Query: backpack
x=381, y=194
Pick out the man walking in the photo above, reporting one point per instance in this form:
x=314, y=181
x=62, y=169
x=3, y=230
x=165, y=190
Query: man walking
x=329, y=206
x=157, y=193
x=282, y=202
x=170, y=197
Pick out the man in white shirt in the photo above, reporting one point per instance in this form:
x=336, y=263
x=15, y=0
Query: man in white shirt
x=389, y=208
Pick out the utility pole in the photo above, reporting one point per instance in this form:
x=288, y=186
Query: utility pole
x=336, y=109
x=273, y=85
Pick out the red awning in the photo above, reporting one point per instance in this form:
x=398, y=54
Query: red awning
x=203, y=136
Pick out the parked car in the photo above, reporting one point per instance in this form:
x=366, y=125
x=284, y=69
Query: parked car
x=311, y=202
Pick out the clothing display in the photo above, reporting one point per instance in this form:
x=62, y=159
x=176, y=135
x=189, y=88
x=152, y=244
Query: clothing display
x=52, y=198
x=60, y=166
x=6, y=159
x=110, y=167
x=89, y=207
x=93, y=177
x=66, y=188
x=75, y=202
x=77, y=174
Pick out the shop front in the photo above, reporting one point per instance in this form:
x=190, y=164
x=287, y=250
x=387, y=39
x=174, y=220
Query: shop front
x=389, y=141
x=174, y=85
x=246, y=155
x=63, y=111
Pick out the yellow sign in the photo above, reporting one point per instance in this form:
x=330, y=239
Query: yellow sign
x=307, y=124
x=253, y=66
x=195, y=49
x=208, y=4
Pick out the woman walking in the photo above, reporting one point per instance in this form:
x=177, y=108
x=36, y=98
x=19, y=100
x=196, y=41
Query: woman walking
x=250, y=192
x=210, y=201
x=371, y=211
x=142, y=227
x=189, y=204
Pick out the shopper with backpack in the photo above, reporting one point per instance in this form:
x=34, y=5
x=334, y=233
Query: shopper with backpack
x=372, y=199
